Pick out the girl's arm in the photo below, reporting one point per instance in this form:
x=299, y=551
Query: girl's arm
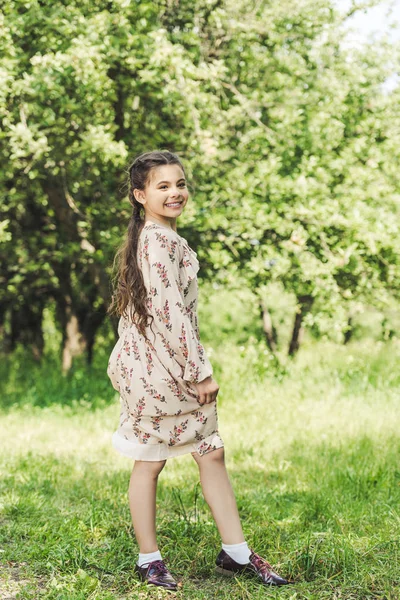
x=171, y=318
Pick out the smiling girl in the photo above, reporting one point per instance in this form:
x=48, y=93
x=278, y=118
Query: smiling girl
x=162, y=373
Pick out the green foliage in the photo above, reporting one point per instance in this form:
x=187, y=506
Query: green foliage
x=290, y=142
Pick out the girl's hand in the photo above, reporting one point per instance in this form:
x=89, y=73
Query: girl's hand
x=207, y=389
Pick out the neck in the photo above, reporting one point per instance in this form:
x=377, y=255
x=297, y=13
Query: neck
x=170, y=226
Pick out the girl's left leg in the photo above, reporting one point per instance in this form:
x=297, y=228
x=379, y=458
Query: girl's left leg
x=235, y=554
x=218, y=494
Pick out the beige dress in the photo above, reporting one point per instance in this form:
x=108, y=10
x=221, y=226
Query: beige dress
x=160, y=413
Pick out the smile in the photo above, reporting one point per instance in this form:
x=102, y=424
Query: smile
x=174, y=204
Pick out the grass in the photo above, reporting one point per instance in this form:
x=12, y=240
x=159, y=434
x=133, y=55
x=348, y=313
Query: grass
x=313, y=454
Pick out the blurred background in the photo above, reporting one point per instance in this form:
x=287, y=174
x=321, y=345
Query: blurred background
x=286, y=118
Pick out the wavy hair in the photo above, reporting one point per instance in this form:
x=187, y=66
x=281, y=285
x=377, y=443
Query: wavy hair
x=129, y=297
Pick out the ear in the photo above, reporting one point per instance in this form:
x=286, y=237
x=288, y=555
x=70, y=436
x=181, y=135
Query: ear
x=139, y=196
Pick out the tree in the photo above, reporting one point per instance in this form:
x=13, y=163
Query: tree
x=289, y=140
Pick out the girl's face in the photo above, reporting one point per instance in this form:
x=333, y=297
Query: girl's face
x=165, y=195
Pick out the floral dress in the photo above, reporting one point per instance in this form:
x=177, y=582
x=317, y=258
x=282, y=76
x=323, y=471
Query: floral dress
x=161, y=416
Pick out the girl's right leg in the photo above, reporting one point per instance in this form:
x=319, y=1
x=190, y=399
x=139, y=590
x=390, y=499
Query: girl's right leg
x=142, y=502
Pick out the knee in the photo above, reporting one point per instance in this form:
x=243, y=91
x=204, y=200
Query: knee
x=217, y=455
x=214, y=456
x=159, y=467
x=149, y=467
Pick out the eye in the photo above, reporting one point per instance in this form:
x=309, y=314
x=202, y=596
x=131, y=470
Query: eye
x=182, y=184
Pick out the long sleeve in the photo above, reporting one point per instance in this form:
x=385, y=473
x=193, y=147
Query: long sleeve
x=166, y=302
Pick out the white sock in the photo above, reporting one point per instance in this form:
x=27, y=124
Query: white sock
x=239, y=552
x=148, y=558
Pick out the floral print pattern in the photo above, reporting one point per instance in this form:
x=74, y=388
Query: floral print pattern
x=160, y=414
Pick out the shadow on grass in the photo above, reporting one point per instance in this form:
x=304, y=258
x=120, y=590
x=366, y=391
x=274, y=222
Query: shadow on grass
x=329, y=520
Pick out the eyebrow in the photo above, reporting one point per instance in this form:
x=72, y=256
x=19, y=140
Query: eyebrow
x=181, y=179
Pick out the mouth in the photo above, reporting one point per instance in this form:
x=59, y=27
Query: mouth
x=174, y=204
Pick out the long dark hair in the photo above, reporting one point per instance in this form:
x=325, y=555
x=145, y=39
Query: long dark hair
x=128, y=285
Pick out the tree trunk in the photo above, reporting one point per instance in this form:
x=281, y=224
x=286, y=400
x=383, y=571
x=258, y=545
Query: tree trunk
x=92, y=321
x=67, y=313
x=75, y=308
x=74, y=342
x=304, y=305
x=268, y=327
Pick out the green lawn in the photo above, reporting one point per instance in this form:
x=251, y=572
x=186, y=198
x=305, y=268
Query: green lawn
x=313, y=453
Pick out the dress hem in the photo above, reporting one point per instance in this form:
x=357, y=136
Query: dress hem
x=155, y=452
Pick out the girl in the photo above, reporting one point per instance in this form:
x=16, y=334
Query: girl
x=161, y=371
